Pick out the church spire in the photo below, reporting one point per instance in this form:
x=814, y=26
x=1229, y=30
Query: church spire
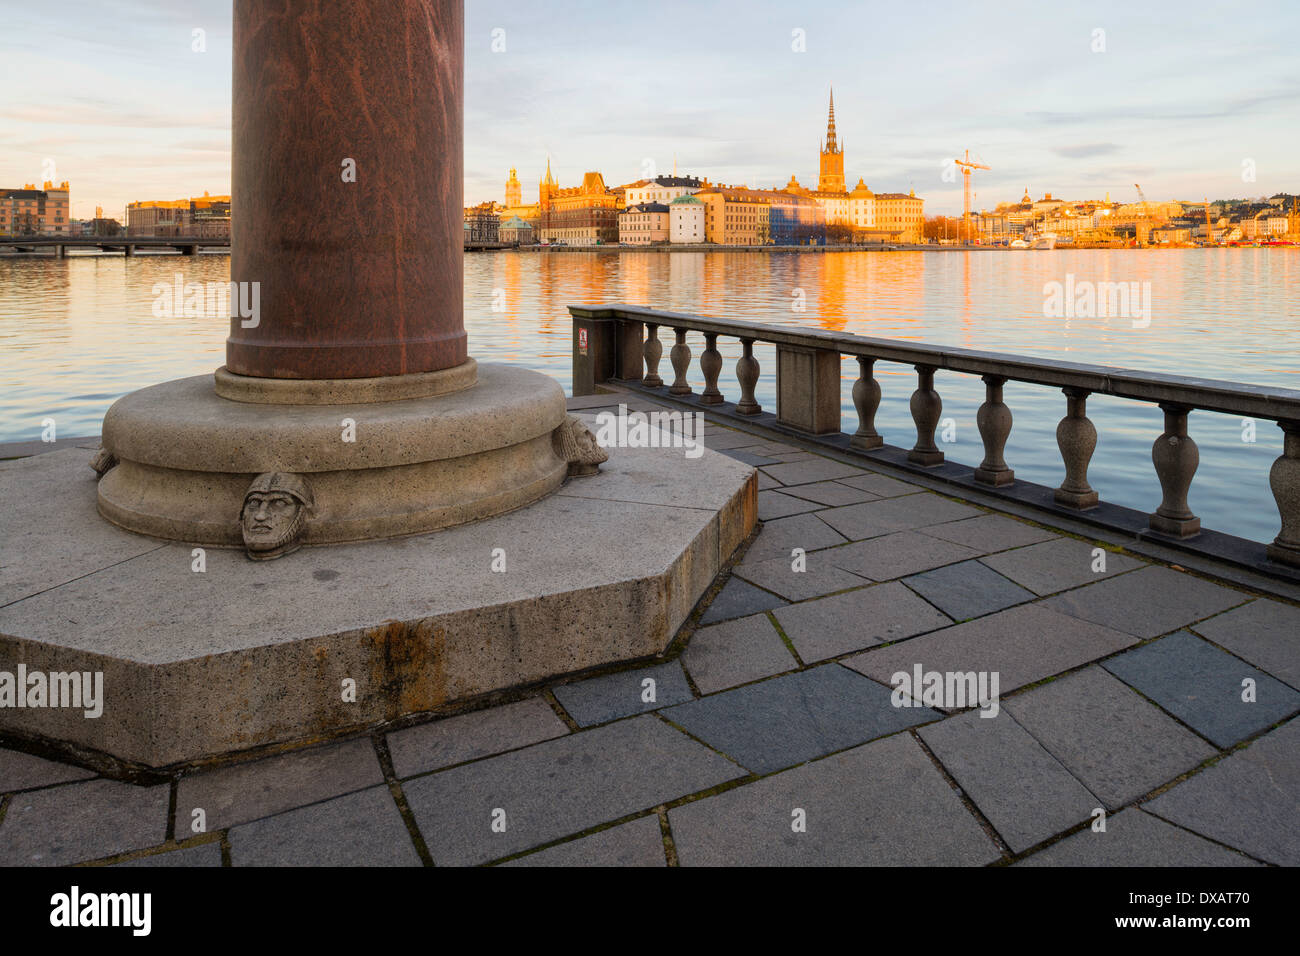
x=830, y=126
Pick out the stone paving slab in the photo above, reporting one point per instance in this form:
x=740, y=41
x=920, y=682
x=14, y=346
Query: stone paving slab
x=874, y=518
x=1117, y=744
x=1148, y=602
x=470, y=736
x=748, y=458
x=75, y=822
x=560, y=787
x=967, y=590
x=717, y=438
x=807, y=472
x=880, y=485
x=599, y=700
x=882, y=804
x=359, y=829
x=1023, y=644
x=1202, y=686
x=739, y=598
x=1019, y=787
x=240, y=792
x=896, y=555
x=736, y=652
x=766, y=482
x=774, y=504
x=1133, y=838
x=989, y=533
x=786, y=720
x=205, y=854
x=831, y=493
x=638, y=843
x=1249, y=800
x=1264, y=632
x=1057, y=565
x=21, y=771
x=778, y=538
x=818, y=577
x=842, y=623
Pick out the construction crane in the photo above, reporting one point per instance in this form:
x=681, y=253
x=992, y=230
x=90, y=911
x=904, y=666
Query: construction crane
x=966, y=166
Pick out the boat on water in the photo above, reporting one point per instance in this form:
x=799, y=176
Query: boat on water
x=1018, y=244
x=1045, y=241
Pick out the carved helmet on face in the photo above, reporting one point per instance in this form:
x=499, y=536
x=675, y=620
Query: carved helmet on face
x=279, y=481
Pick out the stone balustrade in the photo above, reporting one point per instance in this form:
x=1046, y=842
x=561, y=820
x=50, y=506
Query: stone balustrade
x=618, y=342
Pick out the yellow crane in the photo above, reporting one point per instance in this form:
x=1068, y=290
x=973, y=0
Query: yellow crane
x=966, y=166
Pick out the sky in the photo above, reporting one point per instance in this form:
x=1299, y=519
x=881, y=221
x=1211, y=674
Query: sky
x=1186, y=99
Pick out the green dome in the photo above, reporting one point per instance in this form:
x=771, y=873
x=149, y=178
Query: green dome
x=686, y=199
x=514, y=222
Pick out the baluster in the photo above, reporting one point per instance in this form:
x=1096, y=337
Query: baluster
x=1175, y=456
x=680, y=356
x=926, y=406
x=866, y=400
x=1077, y=438
x=653, y=351
x=747, y=374
x=1284, y=479
x=711, y=366
x=994, y=421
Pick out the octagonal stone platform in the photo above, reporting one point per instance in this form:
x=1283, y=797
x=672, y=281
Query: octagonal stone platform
x=245, y=654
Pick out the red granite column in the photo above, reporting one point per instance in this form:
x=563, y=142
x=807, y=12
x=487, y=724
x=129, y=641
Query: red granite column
x=359, y=278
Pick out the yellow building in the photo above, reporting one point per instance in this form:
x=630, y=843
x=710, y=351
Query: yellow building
x=200, y=216
x=735, y=216
x=900, y=215
x=579, y=215
x=36, y=212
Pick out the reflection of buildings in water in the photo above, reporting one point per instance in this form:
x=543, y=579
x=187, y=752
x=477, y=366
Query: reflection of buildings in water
x=685, y=279
x=634, y=279
x=507, y=278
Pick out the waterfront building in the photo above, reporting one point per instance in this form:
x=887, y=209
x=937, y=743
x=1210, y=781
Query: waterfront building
x=735, y=215
x=795, y=220
x=36, y=212
x=643, y=225
x=580, y=215
x=859, y=214
x=514, y=192
x=686, y=219
x=661, y=189
x=517, y=230
x=203, y=216
x=482, y=223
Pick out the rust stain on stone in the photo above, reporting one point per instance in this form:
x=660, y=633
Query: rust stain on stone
x=408, y=665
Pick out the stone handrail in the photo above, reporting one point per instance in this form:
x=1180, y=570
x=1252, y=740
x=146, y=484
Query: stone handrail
x=622, y=342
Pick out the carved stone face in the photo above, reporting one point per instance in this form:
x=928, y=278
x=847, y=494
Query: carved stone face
x=273, y=515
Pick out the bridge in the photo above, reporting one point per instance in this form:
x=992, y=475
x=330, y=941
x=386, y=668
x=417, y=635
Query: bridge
x=185, y=245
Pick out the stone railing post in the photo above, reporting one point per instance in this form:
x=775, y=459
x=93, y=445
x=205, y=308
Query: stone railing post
x=711, y=366
x=747, y=375
x=594, y=356
x=1284, y=479
x=680, y=356
x=808, y=388
x=994, y=421
x=631, y=351
x=654, y=351
x=926, y=407
x=1076, y=436
x=1175, y=457
x=866, y=400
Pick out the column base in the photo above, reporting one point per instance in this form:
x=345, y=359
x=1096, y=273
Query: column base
x=1175, y=527
x=997, y=479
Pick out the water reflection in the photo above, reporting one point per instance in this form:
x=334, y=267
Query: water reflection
x=79, y=332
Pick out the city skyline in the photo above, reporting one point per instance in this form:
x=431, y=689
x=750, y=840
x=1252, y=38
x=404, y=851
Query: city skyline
x=127, y=110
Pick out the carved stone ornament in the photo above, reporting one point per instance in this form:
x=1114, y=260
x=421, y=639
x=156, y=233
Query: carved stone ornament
x=574, y=442
x=275, y=511
x=103, y=461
